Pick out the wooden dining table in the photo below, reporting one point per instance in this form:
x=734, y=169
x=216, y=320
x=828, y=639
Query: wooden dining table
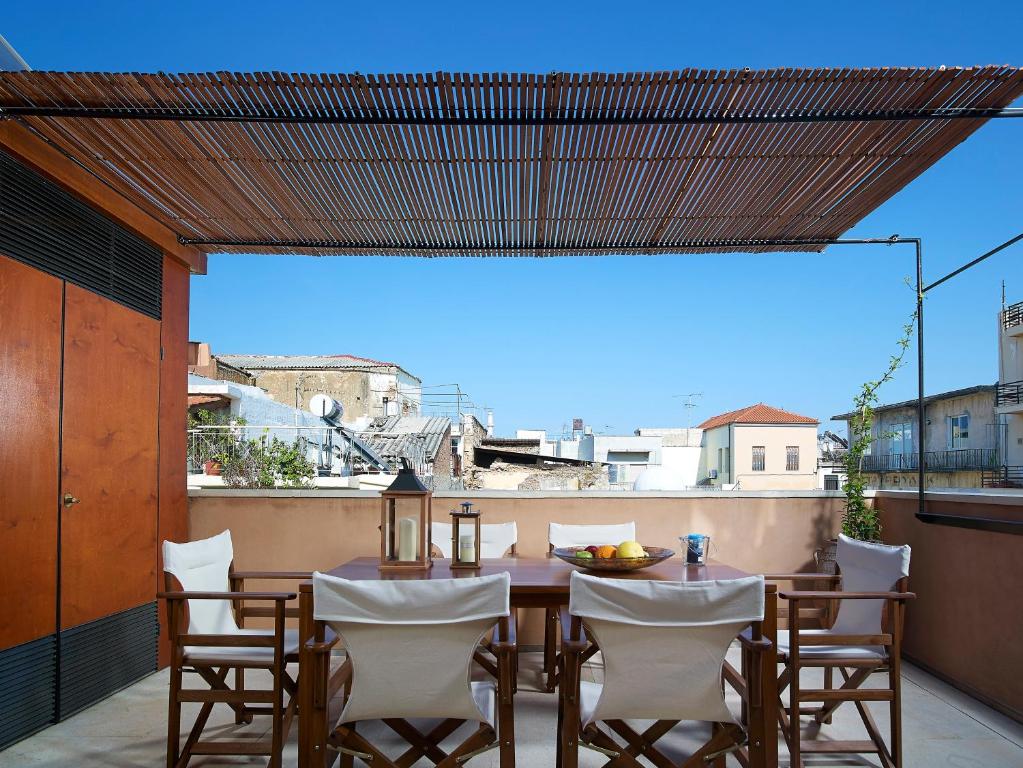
x=543, y=582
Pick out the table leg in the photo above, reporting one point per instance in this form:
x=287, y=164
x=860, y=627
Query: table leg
x=311, y=721
x=764, y=724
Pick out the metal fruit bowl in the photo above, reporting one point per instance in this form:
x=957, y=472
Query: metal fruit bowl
x=654, y=556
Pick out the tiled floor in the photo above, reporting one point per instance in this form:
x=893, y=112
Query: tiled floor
x=942, y=727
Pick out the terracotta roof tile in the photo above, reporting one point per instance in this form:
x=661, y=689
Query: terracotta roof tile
x=757, y=414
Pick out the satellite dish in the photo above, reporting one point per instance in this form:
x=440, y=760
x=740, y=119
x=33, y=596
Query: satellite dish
x=326, y=407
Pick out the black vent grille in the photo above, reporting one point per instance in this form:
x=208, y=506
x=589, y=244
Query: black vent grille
x=47, y=228
x=104, y=656
x=28, y=684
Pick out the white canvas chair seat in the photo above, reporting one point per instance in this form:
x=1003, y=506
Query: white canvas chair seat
x=411, y=643
x=809, y=651
x=663, y=643
x=562, y=535
x=484, y=694
x=498, y=538
x=252, y=656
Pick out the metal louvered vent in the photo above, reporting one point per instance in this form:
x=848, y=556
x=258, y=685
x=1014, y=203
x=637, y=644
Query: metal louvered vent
x=47, y=228
x=104, y=656
x=28, y=683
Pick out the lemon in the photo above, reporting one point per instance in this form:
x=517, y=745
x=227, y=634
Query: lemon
x=630, y=549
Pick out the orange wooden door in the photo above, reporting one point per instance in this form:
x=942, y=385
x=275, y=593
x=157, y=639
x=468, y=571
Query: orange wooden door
x=30, y=315
x=109, y=458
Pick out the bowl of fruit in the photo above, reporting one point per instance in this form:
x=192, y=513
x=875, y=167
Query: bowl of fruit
x=627, y=556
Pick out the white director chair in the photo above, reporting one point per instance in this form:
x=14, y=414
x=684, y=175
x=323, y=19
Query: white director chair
x=410, y=645
x=663, y=646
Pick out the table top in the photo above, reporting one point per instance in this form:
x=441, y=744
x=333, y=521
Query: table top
x=536, y=575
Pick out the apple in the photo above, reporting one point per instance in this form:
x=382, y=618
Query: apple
x=592, y=550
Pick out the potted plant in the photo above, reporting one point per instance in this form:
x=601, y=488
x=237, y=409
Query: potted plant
x=860, y=520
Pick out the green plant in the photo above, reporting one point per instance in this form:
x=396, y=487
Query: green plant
x=268, y=464
x=859, y=519
x=212, y=440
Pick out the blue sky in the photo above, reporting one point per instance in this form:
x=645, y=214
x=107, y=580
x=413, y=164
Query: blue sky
x=611, y=340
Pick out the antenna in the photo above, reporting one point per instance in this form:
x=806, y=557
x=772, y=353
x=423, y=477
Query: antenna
x=689, y=405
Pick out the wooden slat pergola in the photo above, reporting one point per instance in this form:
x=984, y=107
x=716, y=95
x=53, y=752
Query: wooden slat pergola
x=510, y=165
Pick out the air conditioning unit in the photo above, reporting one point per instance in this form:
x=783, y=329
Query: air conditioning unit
x=712, y=474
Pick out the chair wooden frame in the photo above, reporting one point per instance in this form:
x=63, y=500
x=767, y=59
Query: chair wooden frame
x=854, y=669
x=576, y=648
x=214, y=670
x=328, y=688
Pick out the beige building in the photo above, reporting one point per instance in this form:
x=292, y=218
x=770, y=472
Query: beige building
x=961, y=440
x=366, y=389
x=1009, y=401
x=759, y=448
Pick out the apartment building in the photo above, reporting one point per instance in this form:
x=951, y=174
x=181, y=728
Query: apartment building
x=961, y=439
x=759, y=447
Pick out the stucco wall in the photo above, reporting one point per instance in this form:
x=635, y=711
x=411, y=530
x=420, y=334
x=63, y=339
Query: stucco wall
x=282, y=530
x=775, y=438
x=966, y=621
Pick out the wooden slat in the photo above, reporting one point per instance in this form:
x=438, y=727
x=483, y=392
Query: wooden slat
x=845, y=694
x=837, y=747
x=518, y=188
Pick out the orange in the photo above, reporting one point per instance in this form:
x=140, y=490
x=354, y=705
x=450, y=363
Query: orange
x=607, y=551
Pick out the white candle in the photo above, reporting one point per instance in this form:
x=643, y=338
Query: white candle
x=408, y=539
x=466, y=549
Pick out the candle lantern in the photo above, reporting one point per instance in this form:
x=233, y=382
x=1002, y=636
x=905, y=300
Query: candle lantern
x=405, y=518
x=466, y=540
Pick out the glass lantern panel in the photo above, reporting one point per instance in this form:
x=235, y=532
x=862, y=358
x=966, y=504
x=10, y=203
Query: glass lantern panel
x=407, y=524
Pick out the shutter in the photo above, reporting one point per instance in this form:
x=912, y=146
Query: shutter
x=47, y=228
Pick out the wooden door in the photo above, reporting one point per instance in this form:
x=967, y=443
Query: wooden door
x=30, y=317
x=109, y=458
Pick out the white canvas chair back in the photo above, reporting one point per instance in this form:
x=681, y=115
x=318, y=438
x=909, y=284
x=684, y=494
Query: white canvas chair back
x=411, y=643
x=560, y=535
x=202, y=566
x=497, y=537
x=867, y=567
x=663, y=643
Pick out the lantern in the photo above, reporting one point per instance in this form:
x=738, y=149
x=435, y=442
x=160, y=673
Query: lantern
x=465, y=546
x=405, y=523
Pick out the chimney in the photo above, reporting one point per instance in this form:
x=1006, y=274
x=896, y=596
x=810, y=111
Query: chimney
x=490, y=423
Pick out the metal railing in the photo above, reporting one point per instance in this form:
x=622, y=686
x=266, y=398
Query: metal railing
x=1002, y=477
x=1009, y=393
x=959, y=460
x=1013, y=315
x=217, y=443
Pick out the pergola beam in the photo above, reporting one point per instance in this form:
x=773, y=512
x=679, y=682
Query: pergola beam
x=530, y=118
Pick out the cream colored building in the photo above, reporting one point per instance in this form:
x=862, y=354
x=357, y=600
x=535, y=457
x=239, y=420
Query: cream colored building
x=759, y=448
x=1009, y=399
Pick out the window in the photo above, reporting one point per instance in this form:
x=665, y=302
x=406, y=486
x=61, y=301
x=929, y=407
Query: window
x=901, y=438
x=959, y=431
x=758, y=458
x=791, y=458
x=830, y=482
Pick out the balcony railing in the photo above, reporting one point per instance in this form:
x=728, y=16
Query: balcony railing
x=1002, y=477
x=1009, y=393
x=1012, y=316
x=960, y=460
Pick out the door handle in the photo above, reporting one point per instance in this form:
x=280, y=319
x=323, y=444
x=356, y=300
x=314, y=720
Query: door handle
x=69, y=500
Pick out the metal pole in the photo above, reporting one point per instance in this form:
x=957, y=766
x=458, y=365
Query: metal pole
x=920, y=422
x=531, y=117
